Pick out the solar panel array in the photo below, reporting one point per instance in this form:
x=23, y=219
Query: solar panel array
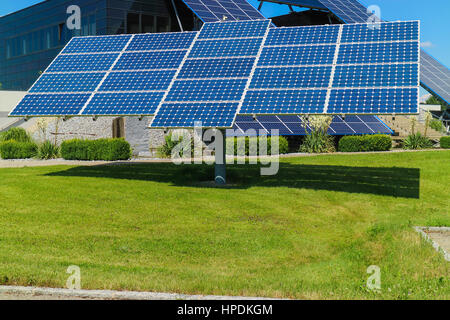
x=337, y=69
x=233, y=68
x=108, y=75
x=434, y=76
x=293, y=125
x=212, y=80
x=215, y=10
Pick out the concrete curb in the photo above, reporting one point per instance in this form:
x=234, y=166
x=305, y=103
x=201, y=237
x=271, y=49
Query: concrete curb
x=112, y=295
x=435, y=245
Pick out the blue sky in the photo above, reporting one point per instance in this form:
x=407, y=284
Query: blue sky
x=435, y=31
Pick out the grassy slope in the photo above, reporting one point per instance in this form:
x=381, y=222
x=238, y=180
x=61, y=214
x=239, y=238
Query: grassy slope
x=310, y=232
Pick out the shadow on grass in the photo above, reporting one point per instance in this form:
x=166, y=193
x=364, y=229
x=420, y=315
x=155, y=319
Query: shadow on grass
x=394, y=181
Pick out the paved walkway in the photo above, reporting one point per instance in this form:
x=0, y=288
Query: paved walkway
x=38, y=293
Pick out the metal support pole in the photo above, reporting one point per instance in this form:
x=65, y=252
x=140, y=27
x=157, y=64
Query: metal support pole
x=220, y=166
x=178, y=18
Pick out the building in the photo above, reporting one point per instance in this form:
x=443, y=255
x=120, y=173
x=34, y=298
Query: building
x=31, y=38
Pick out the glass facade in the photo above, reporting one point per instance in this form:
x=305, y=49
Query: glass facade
x=31, y=38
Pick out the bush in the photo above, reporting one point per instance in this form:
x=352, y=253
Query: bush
x=101, y=149
x=417, y=141
x=17, y=150
x=233, y=144
x=317, y=142
x=165, y=151
x=48, y=150
x=445, y=142
x=437, y=125
x=16, y=134
x=377, y=142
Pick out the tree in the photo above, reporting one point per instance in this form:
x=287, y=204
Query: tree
x=436, y=101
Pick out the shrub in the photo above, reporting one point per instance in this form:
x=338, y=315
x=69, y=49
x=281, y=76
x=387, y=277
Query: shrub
x=48, y=150
x=101, y=149
x=445, y=142
x=165, y=151
x=17, y=150
x=318, y=142
x=437, y=125
x=377, y=142
x=417, y=141
x=16, y=134
x=235, y=145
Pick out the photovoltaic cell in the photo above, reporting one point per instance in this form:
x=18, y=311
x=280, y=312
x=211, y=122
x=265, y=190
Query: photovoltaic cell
x=207, y=90
x=186, y=114
x=300, y=55
x=68, y=82
x=226, y=48
x=435, y=76
x=161, y=41
x=83, y=62
x=220, y=10
x=120, y=103
x=394, y=31
x=97, y=44
x=51, y=104
x=256, y=28
x=379, y=52
x=303, y=35
x=138, y=80
x=217, y=68
x=375, y=101
x=150, y=60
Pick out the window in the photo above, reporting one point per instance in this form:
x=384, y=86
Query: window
x=148, y=23
x=133, y=23
x=162, y=24
x=118, y=128
x=60, y=31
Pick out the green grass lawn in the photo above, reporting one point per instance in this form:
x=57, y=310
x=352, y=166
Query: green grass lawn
x=309, y=232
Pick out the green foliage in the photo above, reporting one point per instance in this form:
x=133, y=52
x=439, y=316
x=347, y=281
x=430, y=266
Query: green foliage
x=435, y=101
x=377, y=142
x=17, y=150
x=16, y=134
x=251, y=145
x=101, y=149
x=417, y=141
x=318, y=142
x=165, y=151
x=445, y=142
x=48, y=150
x=437, y=125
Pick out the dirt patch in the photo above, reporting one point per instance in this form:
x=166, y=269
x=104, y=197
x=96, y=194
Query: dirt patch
x=440, y=237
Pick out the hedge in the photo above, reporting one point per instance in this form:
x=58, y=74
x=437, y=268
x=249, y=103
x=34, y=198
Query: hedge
x=16, y=134
x=445, y=142
x=377, y=142
x=283, y=145
x=17, y=150
x=101, y=149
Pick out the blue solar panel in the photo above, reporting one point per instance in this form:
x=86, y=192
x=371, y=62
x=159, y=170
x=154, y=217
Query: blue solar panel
x=226, y=48
x=256, y=28
x=379, y=52
x=161, y=41
x=207, y=90
x=292, y=125
x=219, y=10
x=435, y=77
x=150, y=60
x=51, y=104
x=375, y=101
x=392, y=75
x=186, y=114
x=349, y=11
x=394, y=31
x=300, y=55
x=217, y=68
x=120, y=103
x=83, y=62
x=97, y=44
x=291, y=77
x=303, y=35
x=68, y=82
x=138, y=80
x=284, y=101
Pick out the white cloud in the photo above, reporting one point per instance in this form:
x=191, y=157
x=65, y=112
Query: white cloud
x=426, y=44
